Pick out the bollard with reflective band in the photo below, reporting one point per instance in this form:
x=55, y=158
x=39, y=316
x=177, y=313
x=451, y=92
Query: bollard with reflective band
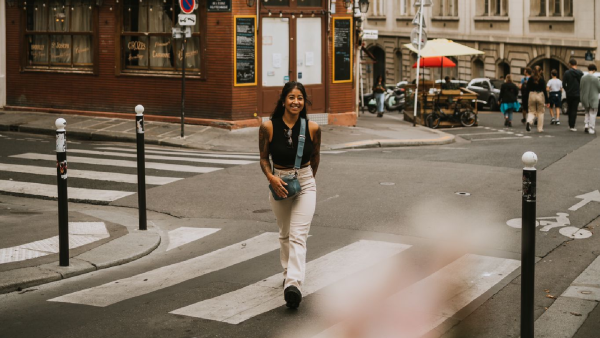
x=141, y=165
x=528, y=245
x=61, y=182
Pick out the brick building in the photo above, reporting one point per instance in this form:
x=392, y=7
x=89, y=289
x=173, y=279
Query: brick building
x=104, y=57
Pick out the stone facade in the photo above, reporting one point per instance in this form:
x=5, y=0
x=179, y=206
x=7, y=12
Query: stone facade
x=514, y=34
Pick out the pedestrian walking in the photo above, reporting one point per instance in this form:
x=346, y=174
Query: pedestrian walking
x=508, y=100
x=554, y=89
x=282, y=139
x=525, y=94
x=379, y=90
x=590, y=88
x=571, y=81
x=538, y=101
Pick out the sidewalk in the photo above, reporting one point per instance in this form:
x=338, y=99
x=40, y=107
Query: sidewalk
x=29, y=244
x=370, y=132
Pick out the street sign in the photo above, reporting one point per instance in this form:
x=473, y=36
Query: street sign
x=414, y=38
x=187, y=19
x=370, y=34
x=187, y=6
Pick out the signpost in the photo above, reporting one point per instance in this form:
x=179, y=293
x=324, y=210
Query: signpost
x=187, y=19
x=418, y=37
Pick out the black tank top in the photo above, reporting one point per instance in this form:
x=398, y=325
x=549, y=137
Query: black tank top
x=281, y=153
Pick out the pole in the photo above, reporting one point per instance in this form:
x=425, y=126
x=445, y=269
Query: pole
x=183, y=45
x=528, y=244
x=418, y=64
x=141, y=165
x=61, y=180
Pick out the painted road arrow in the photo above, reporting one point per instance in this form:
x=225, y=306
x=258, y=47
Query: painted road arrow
x=593, y=196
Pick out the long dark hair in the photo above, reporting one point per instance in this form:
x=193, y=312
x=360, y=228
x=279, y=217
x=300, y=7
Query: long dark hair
x=537, y=75
x=287, y=88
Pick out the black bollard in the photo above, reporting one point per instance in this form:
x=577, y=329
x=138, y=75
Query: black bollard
x=528, y=245
x=141, y=165
x=61, y=182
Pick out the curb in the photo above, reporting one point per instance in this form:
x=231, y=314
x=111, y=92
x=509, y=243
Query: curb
x=89, y=261
x=394, y=143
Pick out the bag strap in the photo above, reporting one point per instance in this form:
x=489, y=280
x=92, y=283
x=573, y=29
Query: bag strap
x=301, y=139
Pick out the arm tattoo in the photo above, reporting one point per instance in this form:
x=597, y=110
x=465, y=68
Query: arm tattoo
x=263, y=145
x=316, y=155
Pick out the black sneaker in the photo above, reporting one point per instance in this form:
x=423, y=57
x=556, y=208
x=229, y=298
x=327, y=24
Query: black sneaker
x=586, y=130
x=509, y=124
x=528, y=126
x=505, y=122
x=523, y=121
x=292, y=297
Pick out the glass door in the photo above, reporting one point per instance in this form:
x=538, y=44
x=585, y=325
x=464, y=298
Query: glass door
x=275, y=52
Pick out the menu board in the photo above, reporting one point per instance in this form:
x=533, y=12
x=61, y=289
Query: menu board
x=218, y=6
x=342, y=50
x=245, y=50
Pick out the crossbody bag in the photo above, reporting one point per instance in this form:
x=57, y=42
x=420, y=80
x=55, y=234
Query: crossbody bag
x=293, y=185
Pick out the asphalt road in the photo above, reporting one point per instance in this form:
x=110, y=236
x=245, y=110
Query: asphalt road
x=405, y=196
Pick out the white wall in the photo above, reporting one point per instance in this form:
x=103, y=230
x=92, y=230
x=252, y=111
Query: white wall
x=2, y=53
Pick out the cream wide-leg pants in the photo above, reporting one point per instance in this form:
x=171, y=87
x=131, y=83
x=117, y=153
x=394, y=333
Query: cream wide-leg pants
x=537, y=108
x=294, y=216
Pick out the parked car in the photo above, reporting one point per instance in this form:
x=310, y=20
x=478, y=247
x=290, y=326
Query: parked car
x=580, y=110
x=488, y=91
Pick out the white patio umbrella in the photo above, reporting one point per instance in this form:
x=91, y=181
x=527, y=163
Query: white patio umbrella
x=444, y=47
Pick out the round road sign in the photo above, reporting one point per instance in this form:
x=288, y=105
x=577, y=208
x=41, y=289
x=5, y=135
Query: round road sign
x=414, y=38
x=187, y=6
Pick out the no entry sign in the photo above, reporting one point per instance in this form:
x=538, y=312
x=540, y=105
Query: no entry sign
x=187, y=6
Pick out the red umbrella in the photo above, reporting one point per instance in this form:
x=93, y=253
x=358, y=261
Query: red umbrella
x=435, y=62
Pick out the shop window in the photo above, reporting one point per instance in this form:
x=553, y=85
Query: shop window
x=376, y=8
x=147, y=42
x=60, y=35
x=297, y=3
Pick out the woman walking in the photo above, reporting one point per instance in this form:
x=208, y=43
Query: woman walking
x=379, y=90
x=538, y=98
x=279, y=138
x=525, y=93
x=554, y=89
x=508, y=100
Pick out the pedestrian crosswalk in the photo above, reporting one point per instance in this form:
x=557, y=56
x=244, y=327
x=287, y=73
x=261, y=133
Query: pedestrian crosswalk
x=107, y=172
x=442, y=294
x=483, y=134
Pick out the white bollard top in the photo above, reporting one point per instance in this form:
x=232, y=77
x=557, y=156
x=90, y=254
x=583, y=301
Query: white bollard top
x=60, y=124
x=139, y=109
x=529, y=160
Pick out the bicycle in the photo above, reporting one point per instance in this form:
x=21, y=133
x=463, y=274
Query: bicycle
x=463, y=113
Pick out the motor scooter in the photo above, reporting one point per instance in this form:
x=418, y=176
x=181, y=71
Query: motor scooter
x=395, y=100
x=370, y=103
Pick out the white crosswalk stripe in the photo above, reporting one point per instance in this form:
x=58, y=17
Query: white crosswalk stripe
x=164, y=158
x=188, y=153
x=47, y=190
x=117, y=291
x=87, y=174
x=121, y=163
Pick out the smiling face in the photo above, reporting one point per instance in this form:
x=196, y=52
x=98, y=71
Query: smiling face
x=294, y=102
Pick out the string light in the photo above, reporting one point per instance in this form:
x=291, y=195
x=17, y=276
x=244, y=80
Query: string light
x=36, y=7
x=280, y=14
x=150, y=8
x=313, y=14
x=130, y=9
x=269, y=13
x=301, y=14
x=293, y=16
x=110, y=8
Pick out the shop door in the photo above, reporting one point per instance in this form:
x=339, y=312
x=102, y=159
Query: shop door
x=292, y=50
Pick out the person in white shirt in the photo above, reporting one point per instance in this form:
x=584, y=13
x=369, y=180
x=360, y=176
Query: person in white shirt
x=555, y=97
